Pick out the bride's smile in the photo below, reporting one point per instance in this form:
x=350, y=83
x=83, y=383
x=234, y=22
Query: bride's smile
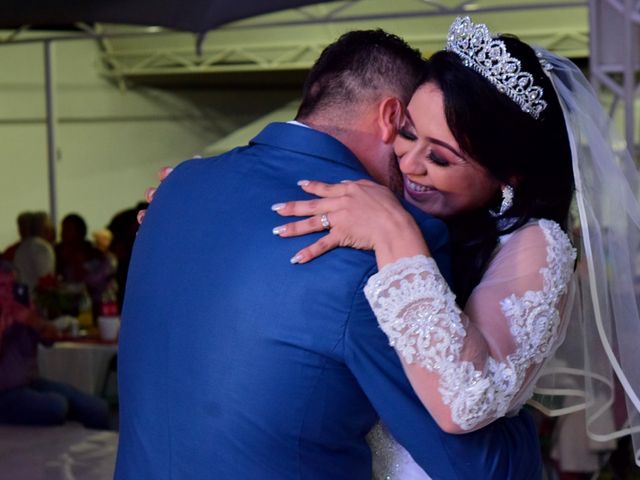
x=418, y=193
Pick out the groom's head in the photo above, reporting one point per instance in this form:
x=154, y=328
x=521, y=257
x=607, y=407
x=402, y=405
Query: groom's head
x=357, y=90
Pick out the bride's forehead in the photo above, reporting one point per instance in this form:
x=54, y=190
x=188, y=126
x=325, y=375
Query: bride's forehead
x=428, y=99
x=427, y=114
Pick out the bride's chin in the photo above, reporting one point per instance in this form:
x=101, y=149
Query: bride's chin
x=410, y=199
x=432, y=207
x=422, y=205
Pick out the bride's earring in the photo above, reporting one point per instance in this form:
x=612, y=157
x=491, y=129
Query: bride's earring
x=507, y=201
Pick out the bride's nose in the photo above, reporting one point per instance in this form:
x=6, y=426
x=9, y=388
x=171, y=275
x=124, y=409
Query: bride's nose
x=413, y=163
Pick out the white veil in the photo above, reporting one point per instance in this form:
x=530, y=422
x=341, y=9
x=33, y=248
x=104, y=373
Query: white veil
x=601, y=352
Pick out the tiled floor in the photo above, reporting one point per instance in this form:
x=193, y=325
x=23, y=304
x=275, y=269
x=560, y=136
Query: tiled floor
x=68, y=452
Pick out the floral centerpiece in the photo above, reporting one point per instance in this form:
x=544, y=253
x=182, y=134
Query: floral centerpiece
x=53, y=298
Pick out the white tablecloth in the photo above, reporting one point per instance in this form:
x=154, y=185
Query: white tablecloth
x=82, y=365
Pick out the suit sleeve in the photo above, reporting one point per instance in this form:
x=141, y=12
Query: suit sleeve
x=379, y=372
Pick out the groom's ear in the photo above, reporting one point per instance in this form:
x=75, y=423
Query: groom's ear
x=390, y=116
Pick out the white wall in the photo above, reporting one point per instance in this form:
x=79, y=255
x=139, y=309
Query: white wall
x=110, y=142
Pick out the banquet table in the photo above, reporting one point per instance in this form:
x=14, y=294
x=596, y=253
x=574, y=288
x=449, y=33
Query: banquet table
x=82, y=364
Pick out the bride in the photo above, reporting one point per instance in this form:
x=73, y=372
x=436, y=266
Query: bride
x=494, y=141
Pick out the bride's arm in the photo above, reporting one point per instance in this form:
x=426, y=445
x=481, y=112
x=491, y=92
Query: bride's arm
x=471, y=367
x=468, y=368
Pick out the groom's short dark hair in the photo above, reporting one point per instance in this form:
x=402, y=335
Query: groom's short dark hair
x=361, y=66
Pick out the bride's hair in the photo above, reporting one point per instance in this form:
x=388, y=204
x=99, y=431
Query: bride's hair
x=532, y=155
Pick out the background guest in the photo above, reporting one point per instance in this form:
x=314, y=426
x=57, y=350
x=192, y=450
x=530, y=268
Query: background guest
x=24, y=397
x=102, y=239
x=124, y=227
x=79, y=262
x=24, y=231
x=34, y=257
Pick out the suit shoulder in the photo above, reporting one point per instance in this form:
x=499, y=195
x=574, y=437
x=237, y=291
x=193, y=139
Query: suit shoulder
x=198, y=165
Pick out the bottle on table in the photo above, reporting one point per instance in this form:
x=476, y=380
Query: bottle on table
x=85, y=312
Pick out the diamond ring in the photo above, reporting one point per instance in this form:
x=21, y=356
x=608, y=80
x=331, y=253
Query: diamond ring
x=324, y=221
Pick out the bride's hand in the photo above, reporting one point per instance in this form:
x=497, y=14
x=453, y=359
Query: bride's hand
x=359, y=214
x=151, y=191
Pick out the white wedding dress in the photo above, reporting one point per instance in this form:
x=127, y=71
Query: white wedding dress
x=484, y=361
x=390, y=461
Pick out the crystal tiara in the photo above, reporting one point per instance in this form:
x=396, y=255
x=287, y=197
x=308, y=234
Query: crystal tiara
x=489, y=57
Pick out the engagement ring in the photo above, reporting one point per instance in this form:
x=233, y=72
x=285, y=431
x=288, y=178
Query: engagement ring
x=324, y=221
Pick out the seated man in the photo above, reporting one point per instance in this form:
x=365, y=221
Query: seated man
x=24, y=397
x=34, y=257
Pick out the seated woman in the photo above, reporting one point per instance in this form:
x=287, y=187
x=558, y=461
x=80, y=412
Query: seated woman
x=78, y=261
x=26, y=399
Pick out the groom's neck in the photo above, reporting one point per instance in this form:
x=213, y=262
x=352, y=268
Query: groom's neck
x=361, y=135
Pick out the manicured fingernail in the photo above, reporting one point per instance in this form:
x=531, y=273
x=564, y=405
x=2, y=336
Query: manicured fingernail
x=164, y=173
x=149, y=193
x=296, y=259
x=279, y=230
x=303, y=183
x=140, y=216
x=277, y=206
x=196, y=157
x=345, y=181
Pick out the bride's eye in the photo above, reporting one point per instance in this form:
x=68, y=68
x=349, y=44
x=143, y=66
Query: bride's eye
x=437, y=159
x=405, y=133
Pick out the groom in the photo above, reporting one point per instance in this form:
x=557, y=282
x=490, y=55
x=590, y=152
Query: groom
x=235, y=363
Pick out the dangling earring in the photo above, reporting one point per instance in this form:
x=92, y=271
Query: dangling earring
x=507, y=201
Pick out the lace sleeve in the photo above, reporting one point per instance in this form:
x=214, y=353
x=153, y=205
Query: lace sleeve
x=481, y=359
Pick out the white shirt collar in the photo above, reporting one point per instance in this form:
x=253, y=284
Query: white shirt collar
x=295, y=122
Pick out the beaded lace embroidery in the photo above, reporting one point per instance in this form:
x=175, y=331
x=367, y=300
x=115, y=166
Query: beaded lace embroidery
x=417, y=311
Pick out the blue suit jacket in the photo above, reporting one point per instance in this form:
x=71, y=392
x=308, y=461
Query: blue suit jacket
x=235, y=364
